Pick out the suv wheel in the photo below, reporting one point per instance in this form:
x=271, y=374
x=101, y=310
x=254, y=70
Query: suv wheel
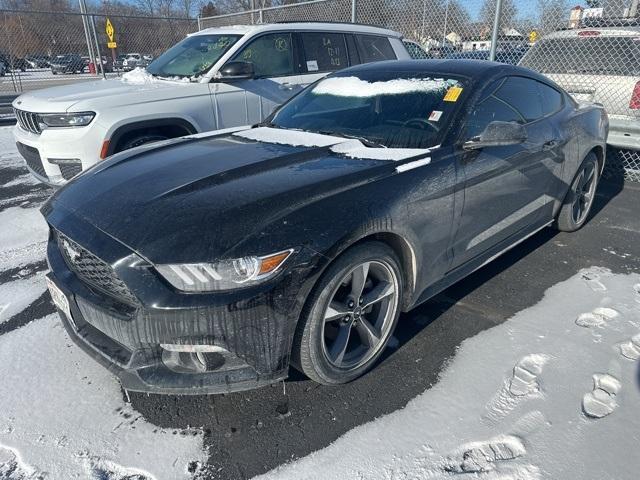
x=350, y=315
x=141, y=139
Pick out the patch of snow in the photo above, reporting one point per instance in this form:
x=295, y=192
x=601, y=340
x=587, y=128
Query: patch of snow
x=355, y=149
x=140, y=76
x=65, y=415
x=17, y=295
x=283, y=136
x=23, y=236
x=355, y=87
x=534, y=397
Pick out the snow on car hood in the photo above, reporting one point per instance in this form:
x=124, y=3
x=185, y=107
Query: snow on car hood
x=356, y=87
x=93, y=94
x=348, y=147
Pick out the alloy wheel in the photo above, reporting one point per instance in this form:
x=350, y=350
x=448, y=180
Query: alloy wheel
x=360, y=315
x=584, y=192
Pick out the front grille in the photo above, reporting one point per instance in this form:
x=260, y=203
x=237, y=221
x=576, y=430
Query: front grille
x=28, y=121
x=92, y=270
x=70, y=170
x=32, y=157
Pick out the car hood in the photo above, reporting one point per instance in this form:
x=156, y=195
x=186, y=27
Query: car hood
x=195, y=200
x=92, y=94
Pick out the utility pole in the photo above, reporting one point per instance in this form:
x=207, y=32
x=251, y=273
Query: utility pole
x=496, y=29
x=87, y=35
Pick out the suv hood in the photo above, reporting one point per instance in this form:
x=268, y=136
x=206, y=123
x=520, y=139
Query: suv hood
x=88, y=95
x=194, y=200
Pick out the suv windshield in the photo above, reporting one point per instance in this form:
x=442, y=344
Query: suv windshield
x=406, y=110
x=193, y=56
x=597, y=55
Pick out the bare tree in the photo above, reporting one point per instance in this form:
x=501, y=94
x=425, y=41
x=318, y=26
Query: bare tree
x=488, y=12
x=553, y=14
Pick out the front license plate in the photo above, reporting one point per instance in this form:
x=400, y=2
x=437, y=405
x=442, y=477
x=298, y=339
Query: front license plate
x=60, y=300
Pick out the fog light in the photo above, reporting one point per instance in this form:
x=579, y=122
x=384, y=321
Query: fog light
x=176, y=347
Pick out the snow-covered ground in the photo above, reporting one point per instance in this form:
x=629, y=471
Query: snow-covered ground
x=552, y=393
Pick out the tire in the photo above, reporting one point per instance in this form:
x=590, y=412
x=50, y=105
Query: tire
x=579, y=199
x=317, y=346
x=141, y=139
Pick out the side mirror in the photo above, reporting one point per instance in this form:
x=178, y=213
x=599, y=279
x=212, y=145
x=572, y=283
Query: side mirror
x=498, y=134
x=236, y=71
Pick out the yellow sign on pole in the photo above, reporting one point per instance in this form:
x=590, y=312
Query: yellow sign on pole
x=110, y=31
x=533, y=36
x=112, y=45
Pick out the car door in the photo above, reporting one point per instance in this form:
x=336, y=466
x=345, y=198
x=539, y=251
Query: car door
x=506, y=187
x=276, y=79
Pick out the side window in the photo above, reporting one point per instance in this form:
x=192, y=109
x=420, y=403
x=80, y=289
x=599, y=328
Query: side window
x=324, y=52
x=490, y=109
x=373, y=48
x=551, y=99
x=523, y=95
x=271, y=55
x=415, y=51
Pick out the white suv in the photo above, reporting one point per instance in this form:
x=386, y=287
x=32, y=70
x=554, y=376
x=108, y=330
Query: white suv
x=213, y=79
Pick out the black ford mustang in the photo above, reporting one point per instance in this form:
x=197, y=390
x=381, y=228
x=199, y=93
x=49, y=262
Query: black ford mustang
x=210, y=263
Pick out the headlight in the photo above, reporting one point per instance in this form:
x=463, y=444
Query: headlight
x=66, y=119
x=223, y=275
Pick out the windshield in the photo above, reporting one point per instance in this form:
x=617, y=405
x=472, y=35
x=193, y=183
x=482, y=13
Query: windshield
x=588, y=54
x=394, y=110
x=193, y=56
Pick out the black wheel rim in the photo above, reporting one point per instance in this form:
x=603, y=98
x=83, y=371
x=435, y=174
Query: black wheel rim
x=584, y=192
x=360, y=315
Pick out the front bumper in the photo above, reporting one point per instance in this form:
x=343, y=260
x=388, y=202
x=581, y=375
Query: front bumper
x=78, y=147
x=252, y=329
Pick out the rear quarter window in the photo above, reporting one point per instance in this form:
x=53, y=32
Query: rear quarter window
x=551, y=99
x=373, y=48
x=324, y=52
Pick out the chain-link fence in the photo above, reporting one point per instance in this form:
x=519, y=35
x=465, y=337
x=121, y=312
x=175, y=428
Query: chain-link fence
x=42, y=49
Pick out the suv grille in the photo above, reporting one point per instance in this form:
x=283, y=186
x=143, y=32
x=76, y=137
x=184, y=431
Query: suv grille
x=92, y=270
x=28, y=121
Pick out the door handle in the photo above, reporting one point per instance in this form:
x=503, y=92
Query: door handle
x=550, y=144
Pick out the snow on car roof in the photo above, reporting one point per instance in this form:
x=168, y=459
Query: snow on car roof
x=323, y=26
x=356, y=87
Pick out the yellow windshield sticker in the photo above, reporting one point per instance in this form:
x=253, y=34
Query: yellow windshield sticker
x=452, y=94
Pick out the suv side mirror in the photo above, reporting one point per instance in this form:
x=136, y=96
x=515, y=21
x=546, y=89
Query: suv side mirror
x=236, y=71
x=498, y=134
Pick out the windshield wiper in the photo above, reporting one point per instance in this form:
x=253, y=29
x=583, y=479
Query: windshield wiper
x=365, y=141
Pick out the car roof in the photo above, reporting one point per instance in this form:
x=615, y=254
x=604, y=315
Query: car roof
x=294, y=26
x=603, y=31
x=474, y=69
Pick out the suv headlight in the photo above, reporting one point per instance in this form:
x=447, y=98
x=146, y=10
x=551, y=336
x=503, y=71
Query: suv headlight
x=66, y=119
x=223, y=275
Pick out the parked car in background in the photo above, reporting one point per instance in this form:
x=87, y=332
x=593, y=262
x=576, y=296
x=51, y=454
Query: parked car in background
x=415, y=50
x=37, y=61
x=511, y=55
x=118, y=64
x=67, y=64
x=3, y=69
x=469, y=55
x=132, y=60
x=209, y=264
x=597, y=65
x=14, y=63
x=215, y=78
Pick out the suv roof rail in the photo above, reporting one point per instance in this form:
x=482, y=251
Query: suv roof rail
x=334, y=22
